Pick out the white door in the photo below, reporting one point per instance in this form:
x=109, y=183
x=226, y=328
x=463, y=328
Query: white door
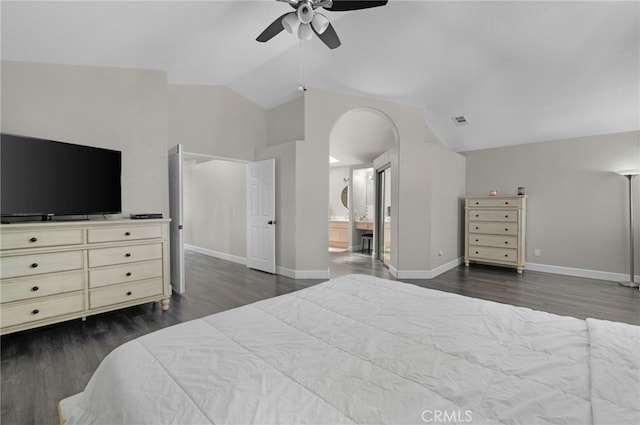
x=176, y=213
x=261, y=220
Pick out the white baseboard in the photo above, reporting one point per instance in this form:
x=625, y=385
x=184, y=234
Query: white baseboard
x=302, y=274
x=427, y=274
x=586, y=273
x=295, y=274
x=217, y=254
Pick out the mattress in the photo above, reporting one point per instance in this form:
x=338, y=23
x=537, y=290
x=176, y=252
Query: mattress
x=359, y=349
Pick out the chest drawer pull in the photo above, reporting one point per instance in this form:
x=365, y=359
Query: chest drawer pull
x=129, y=293
x=35, y=288
x=34, y=265
x=506, y=229
x=127, y=233
x=34, y=239
x=128, y=274
x=128, y=254
x=36, y=311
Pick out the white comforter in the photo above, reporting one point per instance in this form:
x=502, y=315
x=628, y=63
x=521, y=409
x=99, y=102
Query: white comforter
x=359, y=349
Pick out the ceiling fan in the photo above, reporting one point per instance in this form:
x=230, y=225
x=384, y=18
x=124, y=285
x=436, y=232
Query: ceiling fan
x=306, y=21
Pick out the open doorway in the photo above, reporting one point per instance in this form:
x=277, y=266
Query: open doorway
x=207, y=198
x=358, y=137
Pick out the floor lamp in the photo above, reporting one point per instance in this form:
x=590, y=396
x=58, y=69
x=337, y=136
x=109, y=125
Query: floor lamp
x=629, y=175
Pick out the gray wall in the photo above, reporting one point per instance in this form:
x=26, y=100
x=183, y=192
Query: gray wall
x=215, y=206
x=215, y=120
x=113, y=108
x=285, y=123
x=577, y=206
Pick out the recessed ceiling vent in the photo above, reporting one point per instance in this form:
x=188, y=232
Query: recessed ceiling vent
x=460, y=120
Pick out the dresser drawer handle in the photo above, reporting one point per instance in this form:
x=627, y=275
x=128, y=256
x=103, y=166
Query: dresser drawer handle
x=477, y=227
x=506, y=242
x=129, y=293
x=506, y=216
x=36, y=311
x=477, y=252
x=477, y=215
x=34, y=265
x=128, y=254
x=477, y=240
x=506, y=229
x=127, y=233
x=506, y=255
x=477, y=203
x=35, y=288
x=506, y=202
x=128, y=274
x=33, y=239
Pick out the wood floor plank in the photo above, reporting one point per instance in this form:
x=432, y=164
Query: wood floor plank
x=42, y=366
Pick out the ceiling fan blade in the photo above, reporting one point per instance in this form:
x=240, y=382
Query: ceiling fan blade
x=328, y=37
x=344, y=5
x=272, y=30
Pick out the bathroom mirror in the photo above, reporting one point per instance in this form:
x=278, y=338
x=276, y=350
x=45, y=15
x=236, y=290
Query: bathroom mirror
x=344, y=197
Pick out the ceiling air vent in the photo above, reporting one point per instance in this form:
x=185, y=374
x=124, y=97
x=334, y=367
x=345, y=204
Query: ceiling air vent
x=460, y=120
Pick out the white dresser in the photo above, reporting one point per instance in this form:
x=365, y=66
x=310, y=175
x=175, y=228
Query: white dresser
x=56, y=271
x=495, y=230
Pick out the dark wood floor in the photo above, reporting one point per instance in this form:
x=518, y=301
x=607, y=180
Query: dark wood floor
x=42, y=366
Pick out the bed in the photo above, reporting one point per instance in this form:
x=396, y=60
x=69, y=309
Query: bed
x=359, y=349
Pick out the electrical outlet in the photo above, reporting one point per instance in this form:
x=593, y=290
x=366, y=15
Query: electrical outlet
x=536, y=252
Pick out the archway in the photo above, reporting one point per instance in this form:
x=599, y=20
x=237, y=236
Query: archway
x=357, y=138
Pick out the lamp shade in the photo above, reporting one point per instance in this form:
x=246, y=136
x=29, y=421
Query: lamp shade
x=290, y=22
x=305, y=32
x=320, y=23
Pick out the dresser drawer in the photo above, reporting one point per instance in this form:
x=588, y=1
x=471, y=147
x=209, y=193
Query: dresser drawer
x=494, y=202
x=124, y=273
x=505, y=215
x=44, y=308
x=33, y=264
x=493, y=228
x=496, y=254
x=40, y=286
x=497, y=241
x=127, y=233
x=125, y=292
x=39, y=238
x=124, y=254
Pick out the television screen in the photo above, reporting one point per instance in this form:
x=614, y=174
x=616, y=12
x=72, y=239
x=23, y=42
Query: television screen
x=45, y=177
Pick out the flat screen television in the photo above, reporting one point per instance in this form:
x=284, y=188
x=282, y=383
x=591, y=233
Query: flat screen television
x=46, y=178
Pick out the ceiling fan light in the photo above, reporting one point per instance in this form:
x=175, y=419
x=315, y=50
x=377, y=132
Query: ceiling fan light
x=290, y=22
x=320, y=23
x=305, y=13
x=305, y=32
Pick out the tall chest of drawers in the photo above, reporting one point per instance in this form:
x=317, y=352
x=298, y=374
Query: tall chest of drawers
x=56, y=271
x=495, y=230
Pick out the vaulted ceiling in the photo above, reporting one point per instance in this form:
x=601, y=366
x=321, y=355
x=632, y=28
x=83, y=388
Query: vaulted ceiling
x=519, y=72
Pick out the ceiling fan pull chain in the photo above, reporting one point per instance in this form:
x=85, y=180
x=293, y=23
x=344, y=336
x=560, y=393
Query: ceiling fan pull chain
x=302, y=86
